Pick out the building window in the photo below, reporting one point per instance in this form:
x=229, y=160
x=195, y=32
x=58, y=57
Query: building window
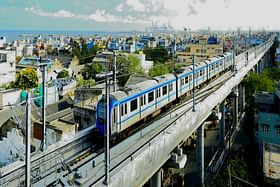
x=265, y=128
x=278, y=130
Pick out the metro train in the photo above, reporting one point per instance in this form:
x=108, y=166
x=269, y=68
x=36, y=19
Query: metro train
x=146, y=99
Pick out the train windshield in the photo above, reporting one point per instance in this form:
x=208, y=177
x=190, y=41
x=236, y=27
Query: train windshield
x=101, y=112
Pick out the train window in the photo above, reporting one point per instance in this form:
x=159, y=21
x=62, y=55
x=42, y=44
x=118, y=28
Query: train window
x=182, y=81
x=114, y=115
x=186, y=79
x=217, y=64
x=200, y=73
x=212, y=67
x=164, y=90
x=158, y=93
x=122, y=110
x=133, y=105
x=150, y=96
x=190, y=78
x=170, y=87
x=125, y=108
x=142, y=100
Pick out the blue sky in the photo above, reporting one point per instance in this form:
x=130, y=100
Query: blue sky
x=125, y=15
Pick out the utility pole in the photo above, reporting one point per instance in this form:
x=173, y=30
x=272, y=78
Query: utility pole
x=193, y=83
x=234, y=63
x=43, y=145
x=174, y=54
x=107, y=130
x=114, y=72
x=27, y=140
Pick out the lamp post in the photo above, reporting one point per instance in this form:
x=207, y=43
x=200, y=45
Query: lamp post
x=107, y=152
x=43, y=66
x=193, y=83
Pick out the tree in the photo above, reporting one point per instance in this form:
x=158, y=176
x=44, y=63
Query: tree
x=238, y=168
x=127, y=66
x=62, y=74
x=87, y=83
x=90, y=71
x=158, y=69
x=158, y=54
x=82, y=51
x=18, y=58
x=26, y=78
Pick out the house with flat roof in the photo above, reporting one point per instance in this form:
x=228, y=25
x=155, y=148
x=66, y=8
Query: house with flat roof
x=7, y=66
x=268, y=135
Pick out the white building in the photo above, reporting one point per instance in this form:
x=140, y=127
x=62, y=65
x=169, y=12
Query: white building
x=19, y=51
x=7, y=66
x=28, y=50
x=145, y=64
x=2, y=41
x=12, y=147
x=9, y=97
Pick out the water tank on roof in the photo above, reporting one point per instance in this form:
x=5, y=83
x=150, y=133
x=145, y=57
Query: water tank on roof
x=212, y=40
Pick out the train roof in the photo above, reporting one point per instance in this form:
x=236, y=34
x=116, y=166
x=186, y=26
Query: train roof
x=119, y=95
x=140, y=86
x=165, y=77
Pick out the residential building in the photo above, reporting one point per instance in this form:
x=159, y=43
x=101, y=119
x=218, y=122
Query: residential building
x=2, y=42
x=60, y=123
x=203, y=48
x=145, y=64
x=268, y=135
x=28, y=50
x=9, y=97
x=7, y=66
x=85, y=104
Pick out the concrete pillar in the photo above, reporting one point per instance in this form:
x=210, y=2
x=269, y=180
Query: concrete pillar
x=156, y=180
x=243, y=101
x=181, y=180
x=235, y=106
x=222, y=125
x=200, y=154
x=240, y=98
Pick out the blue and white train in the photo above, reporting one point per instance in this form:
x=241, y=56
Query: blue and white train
x=145, y=99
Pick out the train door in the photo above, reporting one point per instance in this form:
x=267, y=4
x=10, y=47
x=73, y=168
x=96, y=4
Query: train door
x=123, y=115
x=114, y=120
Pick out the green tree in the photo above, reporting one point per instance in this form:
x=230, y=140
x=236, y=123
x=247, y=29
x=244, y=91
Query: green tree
x=90, y=71
x=18, y=58
x=158, y=69
x=87, y=83
x=158, y=54
x=127, y=66
x=62, y=74
x=26, y=78
x=238, y=168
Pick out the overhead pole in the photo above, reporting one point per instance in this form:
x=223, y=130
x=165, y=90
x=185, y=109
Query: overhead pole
x=115, y=72
x=107, y=130
x=27, y=140
x=43, y=145
x=193, y=83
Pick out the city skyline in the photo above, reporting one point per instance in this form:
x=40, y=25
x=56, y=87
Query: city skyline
x=126, y=15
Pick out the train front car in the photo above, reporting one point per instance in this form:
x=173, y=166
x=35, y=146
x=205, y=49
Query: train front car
x=101, y=114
